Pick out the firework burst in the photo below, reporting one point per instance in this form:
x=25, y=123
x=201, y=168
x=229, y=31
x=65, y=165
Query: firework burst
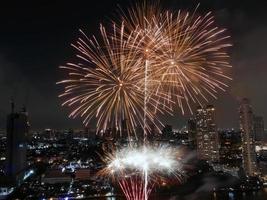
x=187, y=52
x=143, y=166
x=153, y=159
x=108, y=83
x=194, y=57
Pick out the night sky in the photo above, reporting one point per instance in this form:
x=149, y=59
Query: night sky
x=35, y=39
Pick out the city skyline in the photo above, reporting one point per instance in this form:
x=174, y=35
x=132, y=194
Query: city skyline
x=30, y=58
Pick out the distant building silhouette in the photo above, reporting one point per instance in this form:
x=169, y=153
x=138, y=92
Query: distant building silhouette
x=167, y=132
x=192, y=131
x=258, y=128
x=17, y=130
x=247, y=135
x=207, y=135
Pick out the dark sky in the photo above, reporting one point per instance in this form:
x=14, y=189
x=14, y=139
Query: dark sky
x=35, y=39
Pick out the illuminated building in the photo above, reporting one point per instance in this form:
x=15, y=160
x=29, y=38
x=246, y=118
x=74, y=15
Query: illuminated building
x=207, y=135
x=230, y=151
x=17, y=129
x=247, y=135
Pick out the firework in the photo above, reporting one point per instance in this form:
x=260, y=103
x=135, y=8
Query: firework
x=142, y=166
x=140, y=15
x=187, y=53
x=194, y=57
x=154, y=160
x=141, y=22
x=134, y=188
x=108, y=83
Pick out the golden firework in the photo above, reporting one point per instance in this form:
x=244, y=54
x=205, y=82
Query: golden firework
x=194, y=57
x=107, y=83
x=187, y=53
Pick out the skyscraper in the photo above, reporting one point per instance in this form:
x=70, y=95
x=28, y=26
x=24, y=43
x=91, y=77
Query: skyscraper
x=207, y=135
x=247, y=135
x=258, y=128
x=17, y=129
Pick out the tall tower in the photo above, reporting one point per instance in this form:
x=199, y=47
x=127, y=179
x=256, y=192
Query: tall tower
x=17, y=129
x=248, y=142
x=207, y=135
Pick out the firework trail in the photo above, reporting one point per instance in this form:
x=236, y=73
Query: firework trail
x=134, y=189
x=146, y=40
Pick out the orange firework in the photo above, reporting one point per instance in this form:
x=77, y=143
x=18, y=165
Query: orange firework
x=107, y=83
x=194, y=57
x=187, y=53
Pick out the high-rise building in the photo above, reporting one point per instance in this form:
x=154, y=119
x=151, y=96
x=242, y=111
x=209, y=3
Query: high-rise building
x=207, y=135
x=17, y=129
x=258, y=128
x=230, y=151
x=247, y=135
